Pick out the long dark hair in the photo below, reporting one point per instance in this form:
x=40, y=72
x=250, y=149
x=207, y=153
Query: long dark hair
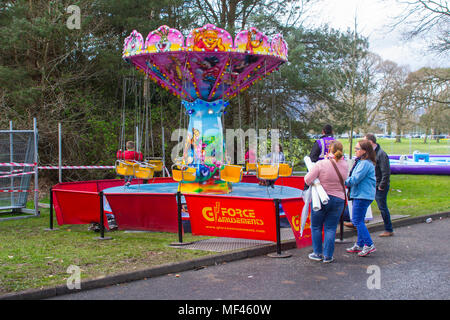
x=370, y=153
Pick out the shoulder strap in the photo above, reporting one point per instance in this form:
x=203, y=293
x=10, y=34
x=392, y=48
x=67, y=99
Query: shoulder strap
x=340, y=176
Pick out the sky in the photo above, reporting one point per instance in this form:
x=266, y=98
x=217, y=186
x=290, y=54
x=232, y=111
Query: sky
x=373, y=18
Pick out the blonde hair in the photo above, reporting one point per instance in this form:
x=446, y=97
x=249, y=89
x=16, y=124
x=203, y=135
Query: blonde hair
x=336, y=149
x=130, y=145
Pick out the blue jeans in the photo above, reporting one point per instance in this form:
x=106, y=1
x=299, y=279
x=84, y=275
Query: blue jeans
x=358, y=216
x=327, y=218
x=381, y=199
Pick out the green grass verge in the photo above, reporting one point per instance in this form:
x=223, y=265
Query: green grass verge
x=418, y=195
x=406, y=146
x=31, y=257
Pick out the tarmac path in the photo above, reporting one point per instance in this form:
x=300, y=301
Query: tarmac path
x=413, y=264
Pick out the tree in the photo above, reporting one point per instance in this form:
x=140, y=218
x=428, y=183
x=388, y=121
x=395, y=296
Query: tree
x=431, y=94
x=266, y=15
x=352, y=83
x=396, y=103
x=73, y=76
x=335, y=77
x=430, y=18
x=76, y=76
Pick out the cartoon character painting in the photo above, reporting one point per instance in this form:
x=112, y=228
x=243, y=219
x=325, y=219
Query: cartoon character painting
x=208, y=40
x=164, y=39
x=174, y=68
x=279, y=46
x=210, y=70
x=163, y=44
x=133, y=44
x=254, y=40
x=241, y=65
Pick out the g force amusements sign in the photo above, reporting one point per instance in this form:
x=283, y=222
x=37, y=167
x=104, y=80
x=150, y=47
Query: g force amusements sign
x=232, y=218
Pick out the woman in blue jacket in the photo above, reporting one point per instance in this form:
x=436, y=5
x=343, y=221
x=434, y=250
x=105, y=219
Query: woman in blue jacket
x=362, y=183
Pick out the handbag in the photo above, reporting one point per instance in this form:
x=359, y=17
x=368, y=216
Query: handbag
x=342, y=183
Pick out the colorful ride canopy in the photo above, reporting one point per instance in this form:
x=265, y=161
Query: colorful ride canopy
x=208, y=65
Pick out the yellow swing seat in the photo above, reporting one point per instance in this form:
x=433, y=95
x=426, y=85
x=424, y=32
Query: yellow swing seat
x=231, y=173
x=285, y=170
x=176, y=173
x=125, y=168
x=157, y=163
x=144, y=171
x=189, y=174
x=267, y=171
x=183, y=173
x=250, y=167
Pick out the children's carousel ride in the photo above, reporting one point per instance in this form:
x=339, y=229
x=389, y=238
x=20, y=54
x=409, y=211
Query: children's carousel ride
x=205, y=71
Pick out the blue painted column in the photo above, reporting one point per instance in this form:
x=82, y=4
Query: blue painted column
x=204, y=148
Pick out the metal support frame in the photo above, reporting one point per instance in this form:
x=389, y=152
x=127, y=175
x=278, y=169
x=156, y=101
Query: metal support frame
x=279, y=253
x=102, y=221
x=14, y=209
x=180, y=224
x=50, y=228
x=341, y=229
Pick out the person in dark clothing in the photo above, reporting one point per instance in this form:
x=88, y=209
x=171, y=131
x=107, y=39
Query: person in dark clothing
x=382, y=173
x=320, y=147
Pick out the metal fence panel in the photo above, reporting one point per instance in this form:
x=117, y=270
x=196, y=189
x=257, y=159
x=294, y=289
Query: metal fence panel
x=16, y=146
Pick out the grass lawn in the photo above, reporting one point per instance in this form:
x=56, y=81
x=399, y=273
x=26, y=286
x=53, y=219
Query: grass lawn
x=406, y=146
x=33, y=258
x=418, y=195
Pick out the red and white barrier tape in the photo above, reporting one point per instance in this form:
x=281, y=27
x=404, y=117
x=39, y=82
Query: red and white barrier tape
x=13, y=191
x=75, y=167
x=16, y=174
x=16, y=164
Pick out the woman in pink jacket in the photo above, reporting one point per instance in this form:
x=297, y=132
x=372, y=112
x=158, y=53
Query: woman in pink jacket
x=327, y=217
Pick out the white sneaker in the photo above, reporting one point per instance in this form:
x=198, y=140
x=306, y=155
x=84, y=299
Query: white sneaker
x=367, y=250
x=315, y=257
x=328, y=260
x=354, y=249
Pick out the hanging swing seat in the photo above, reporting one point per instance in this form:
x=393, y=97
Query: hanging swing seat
x=267, y=171
x=144, y=171
x=189, y=174
x=157, y=163
x=250, y=167
x=285, y=170
x=176, y=173
x=231, y=173
x=183, y=173
x=125, y=168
